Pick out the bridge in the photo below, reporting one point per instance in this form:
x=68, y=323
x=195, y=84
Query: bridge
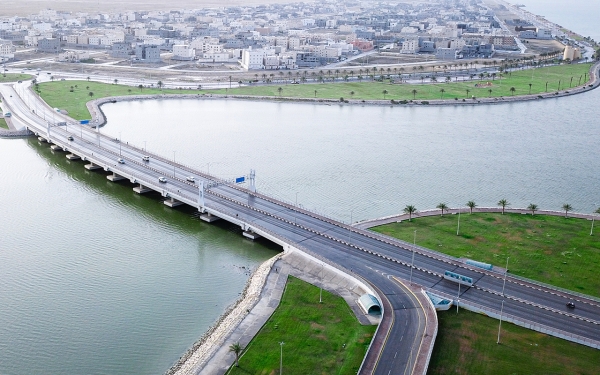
x=371, y=258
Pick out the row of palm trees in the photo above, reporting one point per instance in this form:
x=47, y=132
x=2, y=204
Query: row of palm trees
x=411, y=210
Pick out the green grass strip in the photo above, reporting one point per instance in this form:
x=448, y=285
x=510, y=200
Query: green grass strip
x=519, y=80
x=466, y=344
x=72, y=96
x=551, y=249
x=12, y=77
x=3, y=124
x=314, y=335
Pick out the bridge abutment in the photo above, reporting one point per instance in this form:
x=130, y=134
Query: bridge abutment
x=92, y=166
x=172, y=202
x=115, y=177
x=142, y=189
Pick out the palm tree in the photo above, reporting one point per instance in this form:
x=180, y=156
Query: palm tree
x=280, y=90
x=471, y=205
x=236, y=349
x=115, y=81
x=384, y=92
x=315, y=93
x=512, y=91
x=52, y=78
x=567, y=207
x=159, y=84
x=490, y=91
x=468, y=91
x=91, y=94
x=442, y=93
x=351, y=93
x=503, y=203
x=442, y=206
x=88, y=78
x=532, y=207
x=414, y=92
x=410, y=210
x=531, y=84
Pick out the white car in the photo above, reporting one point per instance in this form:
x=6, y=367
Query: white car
x=162, y=179
x=121, y=161
x=191, y=179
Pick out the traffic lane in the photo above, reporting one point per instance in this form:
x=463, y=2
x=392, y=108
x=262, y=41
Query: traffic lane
x=540, y=296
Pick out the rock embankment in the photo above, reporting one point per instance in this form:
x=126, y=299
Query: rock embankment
x=208, y=344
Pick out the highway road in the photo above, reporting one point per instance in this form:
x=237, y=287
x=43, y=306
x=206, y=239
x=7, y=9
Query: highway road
x=366, y=254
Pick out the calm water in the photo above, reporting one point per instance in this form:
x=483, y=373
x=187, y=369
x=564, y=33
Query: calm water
x=99, y=280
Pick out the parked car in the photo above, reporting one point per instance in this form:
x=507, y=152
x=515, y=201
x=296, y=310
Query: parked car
x=162, y=179
x=121, y=161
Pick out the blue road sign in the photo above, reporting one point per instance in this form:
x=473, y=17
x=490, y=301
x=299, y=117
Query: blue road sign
x=84, y=122
x=239, y=180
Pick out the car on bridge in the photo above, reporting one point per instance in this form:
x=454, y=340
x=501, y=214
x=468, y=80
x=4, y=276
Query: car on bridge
x=162, y=179
x=191, y=179
x=146, y=158
x=70, y=138
x=121, y=161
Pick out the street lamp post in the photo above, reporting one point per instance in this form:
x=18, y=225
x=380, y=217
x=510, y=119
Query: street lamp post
x=503, y=297
x=281, y=358
x=458, y=226
x=458, y=298
x=500, y=324
x=593, y=217
x=296, y=215
x=119, y=143
x=321, y=289
x=173, y=163
x=412, y=264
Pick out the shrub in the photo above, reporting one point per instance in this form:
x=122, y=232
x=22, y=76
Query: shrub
x=425, y=102
x=342, y=100
x=455, y=98
x=393, y=101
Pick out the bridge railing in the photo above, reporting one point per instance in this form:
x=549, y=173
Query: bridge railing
x=475, y=307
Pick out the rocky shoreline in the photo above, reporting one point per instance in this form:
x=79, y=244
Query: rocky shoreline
x=213, y=338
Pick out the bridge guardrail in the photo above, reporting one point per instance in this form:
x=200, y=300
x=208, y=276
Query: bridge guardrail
x=475, y=307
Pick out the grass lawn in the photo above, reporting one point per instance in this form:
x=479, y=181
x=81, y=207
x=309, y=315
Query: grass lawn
x=520, y=80
x=11, y=77
x=551, y=249
x=313, y=333
x=3, y=124
x=466, y=344
x=58, y=95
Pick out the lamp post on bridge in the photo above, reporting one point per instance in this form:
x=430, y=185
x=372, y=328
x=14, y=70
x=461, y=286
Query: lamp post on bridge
x=119, y=143
x=502, y=307
x=412, y=264
x=173, y=163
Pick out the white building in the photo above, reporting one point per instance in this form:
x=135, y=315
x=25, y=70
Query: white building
x=253, y=59
x=6, y=50
x=410, y=46
x=183, y=52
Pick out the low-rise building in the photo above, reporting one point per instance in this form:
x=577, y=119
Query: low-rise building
x=182, y=52
x=121, y=50
x=49, y=45
x=147, y=53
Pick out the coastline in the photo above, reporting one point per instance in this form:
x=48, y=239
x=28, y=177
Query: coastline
x=203, y=349
x=99, y=118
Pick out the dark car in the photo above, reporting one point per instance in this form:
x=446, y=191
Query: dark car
x=570, y=305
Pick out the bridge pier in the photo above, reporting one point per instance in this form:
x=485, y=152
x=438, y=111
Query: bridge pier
x=92, y=166
x=57, y=147
x=115, y=177
x=141, y=189
x=72, y=157
x=251, y=235
x=171, y=202
x=209, y=218
x=42, y=139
